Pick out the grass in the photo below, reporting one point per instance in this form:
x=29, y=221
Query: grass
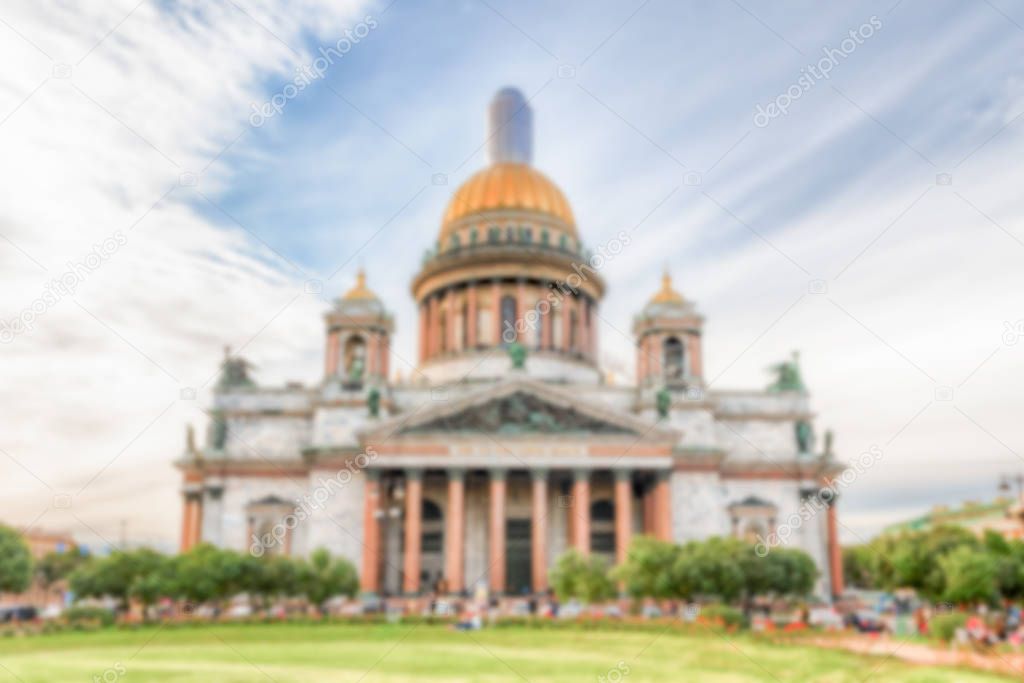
x=290, y=653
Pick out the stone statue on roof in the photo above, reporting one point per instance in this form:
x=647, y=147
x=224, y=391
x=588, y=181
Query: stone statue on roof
x=234, y=372
x=787, y=376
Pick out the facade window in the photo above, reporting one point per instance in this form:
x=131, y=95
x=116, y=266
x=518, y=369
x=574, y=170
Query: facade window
x=493, y=234
x=526, y=234
x=573, y=337
x=563, y=243
x=455, y=241
x=473, y=236
x=508, y=320
x=484, y=324
x=673, y=359
x=602, y=527
x=557, y=333
x=545, y=237
x=510, y=234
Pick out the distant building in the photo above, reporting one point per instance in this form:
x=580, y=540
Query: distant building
x=40, y=544
x=1005, y=516
x=506, y=446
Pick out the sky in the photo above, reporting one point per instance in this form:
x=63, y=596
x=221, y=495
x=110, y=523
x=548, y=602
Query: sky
x=840, y=180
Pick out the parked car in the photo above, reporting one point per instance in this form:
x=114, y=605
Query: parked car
x=865, y=621
x=18, y=613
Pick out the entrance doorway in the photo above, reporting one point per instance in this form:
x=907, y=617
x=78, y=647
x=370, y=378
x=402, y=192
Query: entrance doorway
x=517, y=556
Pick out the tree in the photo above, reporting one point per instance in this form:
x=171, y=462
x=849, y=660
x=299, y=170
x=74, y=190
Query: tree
x=711, y=568
x=121, y=575
x=323, y=577
x=647, y=571
x=584, y=578
x=969, y=576
x=54, y=567
x=15, y=561
x=862, y=567
x=916, y=555
x=209, y=574
x=1009, y=560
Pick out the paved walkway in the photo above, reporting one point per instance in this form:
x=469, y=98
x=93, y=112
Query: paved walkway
x=920, y=653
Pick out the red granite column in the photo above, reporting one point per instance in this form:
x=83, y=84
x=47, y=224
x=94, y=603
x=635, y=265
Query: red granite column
x=496, y=564
x=581, y=511
x=662, y=508
x=567, y=303
x=471, y=314
x=372, y=353
x=547, y=326
x=424, y=331
x=413, y=530
x=696, y=361
x=496, y=313
x=641, y=361
x=331, y=354
x=370, y=575
x=455, y=531
x=623, y=514
x=538, y=532
x=450, y=343
x=835, y=552
x=433, y=343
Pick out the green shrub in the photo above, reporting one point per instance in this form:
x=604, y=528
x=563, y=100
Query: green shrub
x=944, y=626
x=89, y=616
x=729, y=617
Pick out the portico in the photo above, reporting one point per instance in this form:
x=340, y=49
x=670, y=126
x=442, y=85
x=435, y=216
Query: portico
x=494, y=487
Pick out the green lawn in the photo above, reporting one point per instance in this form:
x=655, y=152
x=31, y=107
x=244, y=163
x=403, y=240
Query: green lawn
x=297, y=653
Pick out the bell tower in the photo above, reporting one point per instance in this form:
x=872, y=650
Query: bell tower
x=668, y=340
x=358, y=338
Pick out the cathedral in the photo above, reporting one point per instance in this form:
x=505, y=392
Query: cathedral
x=506, y=446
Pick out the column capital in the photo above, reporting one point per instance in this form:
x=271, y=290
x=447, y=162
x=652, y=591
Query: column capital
x=371, y=474
x=581, y=474
x=456, y=473
x=539, y=473
x=414, y=473
x=498, y=473
x=623, y=474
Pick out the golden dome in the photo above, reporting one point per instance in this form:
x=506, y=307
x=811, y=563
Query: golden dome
x=360, y=292
x=507, y=185
x=667, y=295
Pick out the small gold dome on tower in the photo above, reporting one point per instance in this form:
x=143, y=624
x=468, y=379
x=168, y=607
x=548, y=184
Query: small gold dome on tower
x=667, y=295
x=360, y=292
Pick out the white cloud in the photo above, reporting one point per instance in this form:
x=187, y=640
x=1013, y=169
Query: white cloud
x=93, y=390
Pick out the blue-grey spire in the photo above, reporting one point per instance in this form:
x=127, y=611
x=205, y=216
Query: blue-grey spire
x=510, y=135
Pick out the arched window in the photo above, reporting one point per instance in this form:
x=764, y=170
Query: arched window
x=473, y=236
x=484, y=319
x=527, y=234
x=508, y=320
x=354, y=357
x=545, y=237
x=455, y=241
x=674, y=357
x=563, y=243
x=510, y=234
x=431, y=544
x=493, y=234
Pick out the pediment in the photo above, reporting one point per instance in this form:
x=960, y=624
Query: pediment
x=522, y=407
x=519, y=412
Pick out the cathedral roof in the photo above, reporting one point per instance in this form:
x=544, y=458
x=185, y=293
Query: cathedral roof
x=507, y=186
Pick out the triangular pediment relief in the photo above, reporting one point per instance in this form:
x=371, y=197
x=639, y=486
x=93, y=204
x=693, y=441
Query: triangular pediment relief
x=518, y=413
x=522, y=407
